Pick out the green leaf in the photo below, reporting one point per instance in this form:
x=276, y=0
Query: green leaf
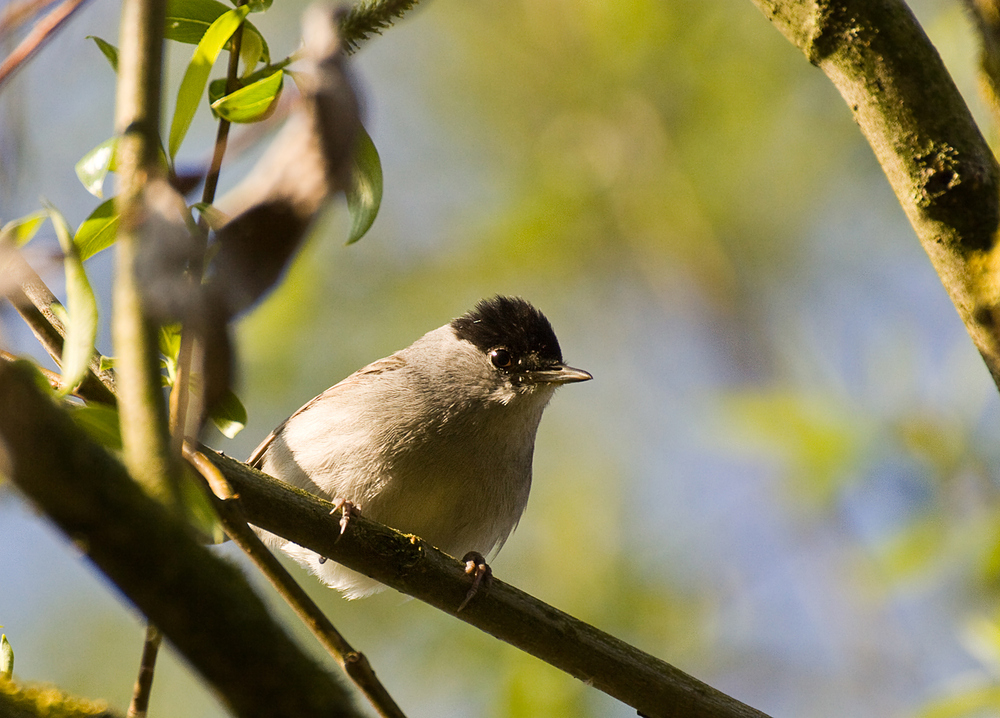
x=217, y=87
x=81, y=308
x=365, y=193
x=229, y=415
x=169, y=340
x=101, y=422
x=196, y=76
x=259, y=5
x=199, y=510
x=188, y=20
x=109, y=50
x=21, y=230
x=98, y=231
x=6, y=658
x=251, y=103
x=93, y=167
x=214, y=217
x=252, y=50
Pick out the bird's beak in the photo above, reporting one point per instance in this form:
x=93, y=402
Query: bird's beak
x=558, y=374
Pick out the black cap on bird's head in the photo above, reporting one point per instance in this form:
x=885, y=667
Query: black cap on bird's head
x=518, y=339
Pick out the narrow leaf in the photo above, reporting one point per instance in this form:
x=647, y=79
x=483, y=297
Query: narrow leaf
x=101, y=422
x=6, y=658
x=251, y=103
x=21, y=230
x=170, y=346
x=215, y=218
x=98, y=231
x=188, y=20
x=93, y=167
x=109, y=50
x=365, y=192
x=252, y=49
x=229, y=415
x=81, y=307
x=169, y=340
x=196, y=77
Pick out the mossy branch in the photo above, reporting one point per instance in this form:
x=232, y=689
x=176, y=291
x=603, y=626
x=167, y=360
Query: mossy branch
x=43, y=701
x=935, y=158
x=205, y=608
x=203, y=605
x=410, y=565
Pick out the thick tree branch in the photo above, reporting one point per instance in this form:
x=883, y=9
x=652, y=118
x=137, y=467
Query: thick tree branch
x=931, y=150
x=43, y=701
x=104, y=511
x=986, y=14
x=410, y=565
x=137, y=119
x=203, y=605
x=230, y=514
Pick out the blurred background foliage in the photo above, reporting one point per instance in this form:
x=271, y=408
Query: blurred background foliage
x=784, y=476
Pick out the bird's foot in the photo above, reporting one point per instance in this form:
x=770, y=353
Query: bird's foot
x=347, y=510
x=475, y=566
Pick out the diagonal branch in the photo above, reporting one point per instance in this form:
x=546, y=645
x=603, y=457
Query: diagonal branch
x=933, y=154
x=41, y=33
x=230, y=514
x=34, y=301
x=410, y=565
x=203, y=605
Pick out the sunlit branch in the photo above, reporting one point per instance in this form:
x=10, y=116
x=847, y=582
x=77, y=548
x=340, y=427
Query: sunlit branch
x=935, y=158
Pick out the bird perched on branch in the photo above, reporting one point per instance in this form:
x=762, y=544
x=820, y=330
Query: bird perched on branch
x=435, y=440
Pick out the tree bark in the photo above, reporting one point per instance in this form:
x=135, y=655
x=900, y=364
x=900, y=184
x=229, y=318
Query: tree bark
x=203, y=605
x=933, y=154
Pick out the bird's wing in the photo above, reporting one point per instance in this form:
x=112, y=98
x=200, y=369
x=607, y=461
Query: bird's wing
x=389, y=363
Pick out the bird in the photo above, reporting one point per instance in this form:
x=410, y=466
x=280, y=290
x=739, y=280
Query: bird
x=434, y=440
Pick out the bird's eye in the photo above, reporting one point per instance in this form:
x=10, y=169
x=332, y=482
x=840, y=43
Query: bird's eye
x=501, y=359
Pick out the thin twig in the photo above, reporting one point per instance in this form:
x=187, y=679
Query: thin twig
x=144, y=682
x=33, y=300
x=222, y=136
x=190, y=357
x=412, y=566
x=41, y=33
x=230, y=513
x=19, y=12
x=987, y=19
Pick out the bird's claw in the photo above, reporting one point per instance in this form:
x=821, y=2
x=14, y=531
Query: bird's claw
x=475, y=566
x=347, y=510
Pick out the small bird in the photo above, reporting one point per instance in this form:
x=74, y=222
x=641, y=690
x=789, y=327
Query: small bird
x=435, y=440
